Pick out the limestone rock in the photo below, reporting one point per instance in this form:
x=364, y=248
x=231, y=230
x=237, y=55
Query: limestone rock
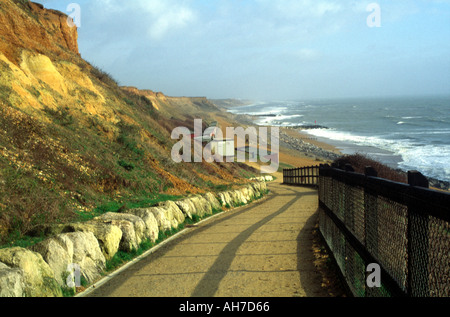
x=245, y=193
x=259, y=187
x=202, y=207
x=213, y=201
x=265, y=178
x=251, y=192
x=86, y=254
x=11, y=282
x=132, y=227
x=76, y=248
x=160, y=216
x=241, y=196
x=107, y=234
x=173, y=213
x=237, y=197
x=58, y=253
x=226, y=199
x=38, y=277
x=187, y=207
x=151, y=225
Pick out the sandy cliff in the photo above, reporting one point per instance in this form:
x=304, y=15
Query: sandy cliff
x=71, y=138
x=27, y=25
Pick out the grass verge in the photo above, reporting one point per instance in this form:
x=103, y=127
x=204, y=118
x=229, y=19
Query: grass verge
x=121, y=258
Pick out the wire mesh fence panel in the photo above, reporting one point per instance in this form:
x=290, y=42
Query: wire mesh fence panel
x=334, y=238
x=354, y=211
x=438, y=258
x=355, y=271
x=392, y=239
x=402, y=228
x=429, y=253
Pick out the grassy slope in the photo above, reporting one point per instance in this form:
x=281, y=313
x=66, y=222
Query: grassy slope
x=94, y=147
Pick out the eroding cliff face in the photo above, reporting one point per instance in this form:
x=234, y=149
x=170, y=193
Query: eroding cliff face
x=155, y=97
x=70, y=137
x=180, y=108
x=30, y=26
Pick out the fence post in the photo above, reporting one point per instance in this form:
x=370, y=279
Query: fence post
x=418, y=221
x=349, y=168
x=416, y=178
x=371, y=216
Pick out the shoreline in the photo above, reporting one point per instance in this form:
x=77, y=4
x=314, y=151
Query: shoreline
x=296, y=144
x=307, y=145
x=329, y=152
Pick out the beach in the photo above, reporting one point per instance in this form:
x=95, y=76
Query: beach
x=307, y=145
x=297, y=148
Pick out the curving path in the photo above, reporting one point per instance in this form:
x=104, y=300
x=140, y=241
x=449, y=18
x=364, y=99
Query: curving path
x=262, y=250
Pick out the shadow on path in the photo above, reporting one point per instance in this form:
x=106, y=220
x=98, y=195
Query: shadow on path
x=209, y=284
x=122, y=277
x=310, y=278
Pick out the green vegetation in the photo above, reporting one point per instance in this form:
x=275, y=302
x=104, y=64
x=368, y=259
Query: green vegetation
x=121, y=258
x=103, y=76
x=127, y=166
x=60, y=116
x=68, y=157
x=283, y=166
x=24, y=4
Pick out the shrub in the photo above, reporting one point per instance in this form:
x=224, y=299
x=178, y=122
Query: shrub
x=61, y=116
x=359, y=162
x=128, y=166
x=103, y=76
x=27, y=202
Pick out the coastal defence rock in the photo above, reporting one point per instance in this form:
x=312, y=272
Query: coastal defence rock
x=87, y=254
x=225, y=198
x=151, y=224
x=212, y=200
x=160, y=216
x=244, y=195
x=260, y=187
x=107, y=234
x=79, y=248
x=11, y=281
x=238, y=197
x=173, y=213
x=267, y=178
x=187, y=207
x=37, y=275
x=58, y=253
x=202, y=207
x=133, y=229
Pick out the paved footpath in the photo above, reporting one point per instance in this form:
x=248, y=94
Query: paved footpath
x=261, y=250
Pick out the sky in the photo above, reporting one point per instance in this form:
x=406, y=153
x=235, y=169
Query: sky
x=268, y=49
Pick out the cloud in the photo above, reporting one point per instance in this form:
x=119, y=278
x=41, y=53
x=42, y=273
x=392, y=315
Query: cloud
x=307, y=54
x=170, y=20
x=155, y=18
x=306, y=8
x=165, y=16
x=227, y=48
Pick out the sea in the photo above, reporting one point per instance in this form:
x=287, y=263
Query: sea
x=407, y=133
